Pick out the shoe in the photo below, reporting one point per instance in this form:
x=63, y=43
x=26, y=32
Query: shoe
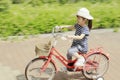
x=70, y=64
x=69, y=69
x=79, y=62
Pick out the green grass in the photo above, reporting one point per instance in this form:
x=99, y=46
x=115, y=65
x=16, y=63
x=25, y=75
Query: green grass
x=24, y=19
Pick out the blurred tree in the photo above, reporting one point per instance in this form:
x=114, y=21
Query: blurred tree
x=34, y=2
x=4, y=5
x=94, y=1
x=62, y=1
x=48, y=1
x=17, y=1
x=73, y=1
x=68, y=1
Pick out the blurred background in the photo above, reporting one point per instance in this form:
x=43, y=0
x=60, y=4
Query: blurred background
x=30, y=17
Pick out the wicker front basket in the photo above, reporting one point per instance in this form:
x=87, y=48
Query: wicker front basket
x=42, y=49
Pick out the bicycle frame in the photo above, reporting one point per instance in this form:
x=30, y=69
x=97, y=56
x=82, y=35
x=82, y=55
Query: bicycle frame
x=93, y=59
x=54, y=52
x=63, y=60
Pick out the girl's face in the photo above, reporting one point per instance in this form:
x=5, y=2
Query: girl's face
x=81, y=21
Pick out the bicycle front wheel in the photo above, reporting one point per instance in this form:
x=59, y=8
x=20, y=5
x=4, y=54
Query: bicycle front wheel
x=33, y=70
x=95, y=66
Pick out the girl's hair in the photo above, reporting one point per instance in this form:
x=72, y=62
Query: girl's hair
x=90, y=24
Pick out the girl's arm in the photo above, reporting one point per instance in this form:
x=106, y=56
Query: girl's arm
x=76, y=37
x=69, y=27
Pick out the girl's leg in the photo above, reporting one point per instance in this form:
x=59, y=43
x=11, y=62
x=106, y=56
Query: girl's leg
x=69, y=57
x=71, y=51
x=80, y=60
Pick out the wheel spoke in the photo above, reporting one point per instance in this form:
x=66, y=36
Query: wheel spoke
x=34, y=70
x=96, y=65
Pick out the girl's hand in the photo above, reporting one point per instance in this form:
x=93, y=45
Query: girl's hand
x=70, y=36
x=58, y=28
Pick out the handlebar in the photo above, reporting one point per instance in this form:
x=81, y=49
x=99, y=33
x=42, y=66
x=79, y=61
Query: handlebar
x=57, y=35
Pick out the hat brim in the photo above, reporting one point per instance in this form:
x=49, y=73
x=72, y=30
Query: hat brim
x=89, y=17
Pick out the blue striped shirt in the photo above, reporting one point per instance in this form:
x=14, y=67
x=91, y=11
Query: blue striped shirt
x=81, y=42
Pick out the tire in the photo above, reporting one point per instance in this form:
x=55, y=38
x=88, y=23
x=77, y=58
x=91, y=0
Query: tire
x=33, y=70
x=95, y=66
x=100, y=78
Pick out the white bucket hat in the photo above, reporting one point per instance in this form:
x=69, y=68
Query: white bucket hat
x=84, y=12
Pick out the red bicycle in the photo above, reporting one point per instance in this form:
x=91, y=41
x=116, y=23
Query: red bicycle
x=45, y=68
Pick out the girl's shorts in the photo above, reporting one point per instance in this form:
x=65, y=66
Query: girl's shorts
x=75, y=49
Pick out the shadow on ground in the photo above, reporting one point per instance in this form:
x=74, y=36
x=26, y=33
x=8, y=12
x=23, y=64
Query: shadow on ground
x=59, y=76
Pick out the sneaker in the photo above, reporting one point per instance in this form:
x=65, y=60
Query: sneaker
x=69, y=69
x=70, y=64
x=79, y=62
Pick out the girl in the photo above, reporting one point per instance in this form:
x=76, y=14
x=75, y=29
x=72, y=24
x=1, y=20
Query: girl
x=80, y=39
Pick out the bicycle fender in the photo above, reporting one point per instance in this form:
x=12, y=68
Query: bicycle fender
x=107, y=56
x=43, y=57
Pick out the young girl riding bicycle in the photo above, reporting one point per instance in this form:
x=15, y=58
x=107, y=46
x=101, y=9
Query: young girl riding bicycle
x=93, y=65
x=80, y=39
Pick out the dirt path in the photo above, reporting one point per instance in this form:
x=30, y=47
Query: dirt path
x=17, y=54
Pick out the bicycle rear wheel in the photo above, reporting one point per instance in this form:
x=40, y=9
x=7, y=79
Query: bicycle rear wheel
x=95, y=66
x=33, y=70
